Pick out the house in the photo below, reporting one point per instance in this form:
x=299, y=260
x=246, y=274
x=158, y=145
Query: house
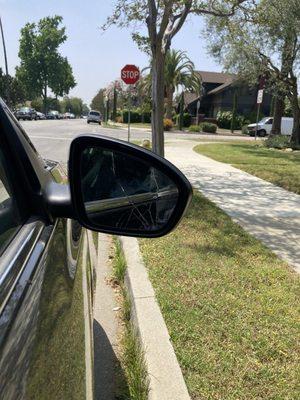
x=218, y=90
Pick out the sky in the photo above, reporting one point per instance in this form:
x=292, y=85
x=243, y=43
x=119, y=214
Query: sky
x=96, y=57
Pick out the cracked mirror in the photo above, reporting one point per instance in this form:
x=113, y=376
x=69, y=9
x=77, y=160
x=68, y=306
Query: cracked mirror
x=125, y=192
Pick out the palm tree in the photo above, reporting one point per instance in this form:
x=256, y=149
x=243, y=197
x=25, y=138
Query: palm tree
x=179, y=72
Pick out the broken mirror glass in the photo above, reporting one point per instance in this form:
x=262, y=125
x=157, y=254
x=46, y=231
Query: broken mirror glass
x=125, y=192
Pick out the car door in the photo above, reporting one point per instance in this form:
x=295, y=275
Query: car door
x=43, y=332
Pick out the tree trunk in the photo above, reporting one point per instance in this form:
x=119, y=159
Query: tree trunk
x=115, y=105
x=234, y=112
x=278, y=113
x=158, y=65
x=45, y=100
x=296, y=115
x=169, y=108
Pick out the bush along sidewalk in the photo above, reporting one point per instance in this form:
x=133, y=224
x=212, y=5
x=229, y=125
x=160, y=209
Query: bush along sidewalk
x=132, y=358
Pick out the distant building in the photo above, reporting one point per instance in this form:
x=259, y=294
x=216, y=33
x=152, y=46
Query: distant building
x=218, y=94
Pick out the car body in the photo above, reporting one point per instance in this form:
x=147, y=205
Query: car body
x=265, y=125
x=67, y=115
x=46, y=295
x=40, y=115
x=26, y=114
x=50, y=116
x=53, y=114
x=94, y=116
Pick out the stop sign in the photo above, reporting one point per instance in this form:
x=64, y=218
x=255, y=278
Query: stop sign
x=130, y=74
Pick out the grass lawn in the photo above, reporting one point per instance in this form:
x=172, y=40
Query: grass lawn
x=231, y=307
x=277, y=166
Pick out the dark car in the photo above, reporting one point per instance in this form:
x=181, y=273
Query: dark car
x=26, y=113
x=45, y=292
x=50, y=116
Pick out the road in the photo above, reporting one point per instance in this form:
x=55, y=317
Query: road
x=52, y=138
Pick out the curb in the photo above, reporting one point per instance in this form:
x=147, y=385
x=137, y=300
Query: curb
x=165, y=376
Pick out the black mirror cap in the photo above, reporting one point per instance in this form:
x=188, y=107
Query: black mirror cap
x=81, y=142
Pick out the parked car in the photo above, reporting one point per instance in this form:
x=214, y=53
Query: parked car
x=40, y=115
x=46, y=280
x=94, y=116
x=67, y=115
x=50, y=115
x=55, y=114
x=26, y=113
x=265, y=125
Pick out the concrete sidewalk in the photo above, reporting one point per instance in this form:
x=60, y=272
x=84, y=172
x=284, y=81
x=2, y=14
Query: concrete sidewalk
x=268, y=212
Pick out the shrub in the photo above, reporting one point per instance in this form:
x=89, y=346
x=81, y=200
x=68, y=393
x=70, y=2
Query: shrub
x=208, y=127
x=251, y=117
x=168, y=124
x=245, y=130
x=135, y=116
x=187, y=119
x=194, y=128
x=146, y=116
x=224, y=120
x=278, y=142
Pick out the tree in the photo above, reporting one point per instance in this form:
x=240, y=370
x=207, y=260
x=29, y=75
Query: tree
x=73, y=105
x=98, y=102
x=264, y=39
x=42, y=66
x=162, y=20
x=11, y=89
x=179, y=71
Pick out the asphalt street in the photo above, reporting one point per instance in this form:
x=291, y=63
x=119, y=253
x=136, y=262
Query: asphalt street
x=52, y=138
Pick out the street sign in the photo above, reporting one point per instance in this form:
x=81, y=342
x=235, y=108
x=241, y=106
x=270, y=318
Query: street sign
x=130, y=74
x=260, y=96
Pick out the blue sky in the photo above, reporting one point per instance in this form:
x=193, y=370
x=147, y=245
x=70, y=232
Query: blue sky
x=96, y=57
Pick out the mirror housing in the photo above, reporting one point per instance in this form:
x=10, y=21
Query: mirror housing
x=138, y=184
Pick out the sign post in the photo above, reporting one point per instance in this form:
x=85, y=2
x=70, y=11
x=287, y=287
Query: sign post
x=130, y=74
x=260, y=95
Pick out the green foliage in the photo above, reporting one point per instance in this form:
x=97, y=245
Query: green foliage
x=245, y=130
x=250, y=118
x=98, y=102
x=73, y=105
x=11, y=89
x=208, y=127
x=186, y=119
x=135, y=116
x=194, y=128
x=278, y=142
x=119, y=264
x=42, y=66
x=225, y=119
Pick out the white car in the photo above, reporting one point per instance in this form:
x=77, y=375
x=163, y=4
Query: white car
x=40, y=115
x=265, y=125
x=94, y=116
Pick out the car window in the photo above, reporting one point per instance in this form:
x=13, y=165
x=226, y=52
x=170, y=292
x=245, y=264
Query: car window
x=10, y=219
x=94, y=113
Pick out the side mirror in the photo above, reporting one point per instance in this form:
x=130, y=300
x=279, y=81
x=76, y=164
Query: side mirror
x=123, y=189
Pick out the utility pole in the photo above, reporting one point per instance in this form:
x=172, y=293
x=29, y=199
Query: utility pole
x=5, y=59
